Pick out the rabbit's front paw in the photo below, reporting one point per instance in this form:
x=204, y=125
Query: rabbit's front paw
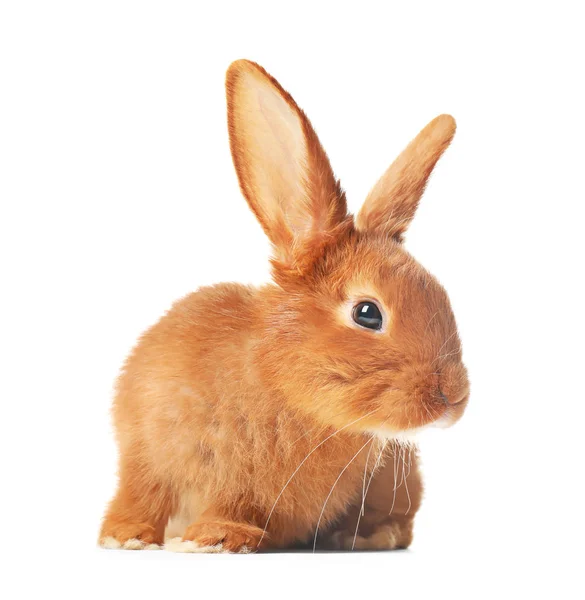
x=233, y=537
x=129, y=536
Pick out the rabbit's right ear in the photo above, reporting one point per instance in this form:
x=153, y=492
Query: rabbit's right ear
x=283, y=171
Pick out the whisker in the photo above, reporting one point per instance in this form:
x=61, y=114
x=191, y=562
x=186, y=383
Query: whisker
x=447, y=340
x=313, y=429
x=364, y=480
x=428, y=411
x=402, y=457
x=394, y=471
x=406, y=483
x=431, y=320
x=302, y=463
x=449, y=354
x=333, y=487
x=444, y=344
x=362, y=510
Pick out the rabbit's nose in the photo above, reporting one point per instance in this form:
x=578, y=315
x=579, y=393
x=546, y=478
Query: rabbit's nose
x=452, y=399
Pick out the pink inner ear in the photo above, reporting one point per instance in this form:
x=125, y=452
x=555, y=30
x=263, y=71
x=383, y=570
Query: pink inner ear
x=283, y=171
x=275, y=153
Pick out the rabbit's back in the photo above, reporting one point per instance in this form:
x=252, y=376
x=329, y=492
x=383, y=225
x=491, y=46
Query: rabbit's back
x=188, y=381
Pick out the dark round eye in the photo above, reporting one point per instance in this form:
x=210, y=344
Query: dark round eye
x=367, y=314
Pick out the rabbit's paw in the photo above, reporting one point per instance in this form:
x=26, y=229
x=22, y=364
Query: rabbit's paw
x=231, y=536
x=177, y=544
x=128, y=536
x=389, y=536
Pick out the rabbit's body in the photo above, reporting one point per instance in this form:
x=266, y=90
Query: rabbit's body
x=263, y=415
x=198, y=420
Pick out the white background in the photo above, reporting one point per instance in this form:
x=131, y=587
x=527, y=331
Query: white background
x=118, y=196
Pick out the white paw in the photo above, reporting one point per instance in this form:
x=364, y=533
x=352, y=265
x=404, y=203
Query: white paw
x=134, y=544
x=110, y=543
x=177, y=544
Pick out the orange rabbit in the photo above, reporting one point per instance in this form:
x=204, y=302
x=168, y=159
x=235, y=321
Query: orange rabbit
x=264, y=415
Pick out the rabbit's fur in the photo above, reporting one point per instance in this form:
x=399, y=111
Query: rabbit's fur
x=263, y=415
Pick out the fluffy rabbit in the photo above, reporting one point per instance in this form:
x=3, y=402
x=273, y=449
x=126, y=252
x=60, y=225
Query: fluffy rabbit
x=264, y=415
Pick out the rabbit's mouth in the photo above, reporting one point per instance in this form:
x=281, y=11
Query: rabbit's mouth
x=444, y=419
x=409, y=435
x=453, y=412
x=405, y=413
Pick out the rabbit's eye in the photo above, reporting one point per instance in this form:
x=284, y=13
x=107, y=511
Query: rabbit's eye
x=368, y=315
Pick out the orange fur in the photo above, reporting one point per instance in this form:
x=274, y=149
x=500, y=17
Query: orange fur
x=405, y=180
x=394, y=496
x=258, y=413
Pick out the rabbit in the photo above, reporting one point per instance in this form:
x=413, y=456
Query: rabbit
x=282, y=416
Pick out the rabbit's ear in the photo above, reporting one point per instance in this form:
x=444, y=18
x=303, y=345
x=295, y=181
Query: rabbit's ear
x=283, y=171
x=391, y=204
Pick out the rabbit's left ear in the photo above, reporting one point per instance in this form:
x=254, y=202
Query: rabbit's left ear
x=390, y=206
x=283, y=171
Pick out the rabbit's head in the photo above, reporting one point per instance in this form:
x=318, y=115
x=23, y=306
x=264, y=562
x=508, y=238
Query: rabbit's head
x=357, y=332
